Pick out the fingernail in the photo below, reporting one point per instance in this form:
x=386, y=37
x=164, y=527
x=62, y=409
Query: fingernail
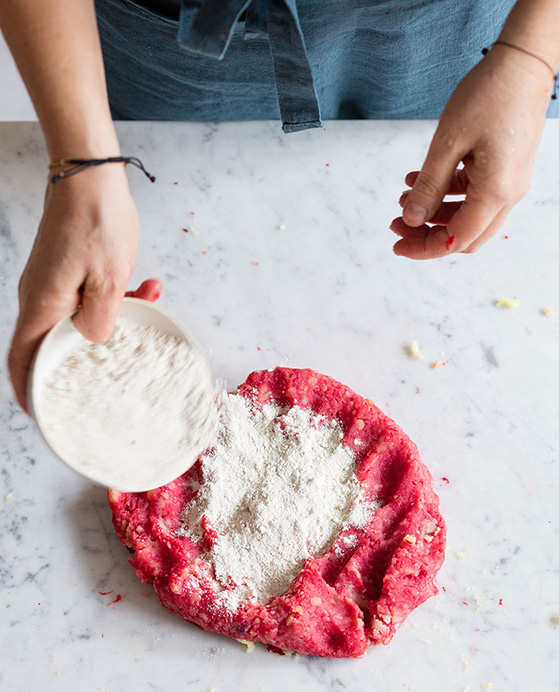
x=414, y=214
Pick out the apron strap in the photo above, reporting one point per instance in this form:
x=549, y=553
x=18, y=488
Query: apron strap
x=294, y=81
x=207, y=29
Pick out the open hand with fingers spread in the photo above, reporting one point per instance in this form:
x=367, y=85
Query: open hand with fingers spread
x=492, y=124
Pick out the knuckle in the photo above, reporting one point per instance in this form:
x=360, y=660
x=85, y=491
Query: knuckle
x=110, y=284
x=427, y=184
x=506, y=187
x=499, y=193
x=502, y=195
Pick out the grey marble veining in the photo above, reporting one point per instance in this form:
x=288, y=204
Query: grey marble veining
x=289, y=262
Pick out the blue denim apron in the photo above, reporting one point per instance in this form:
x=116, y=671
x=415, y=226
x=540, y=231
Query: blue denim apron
x=299, y=60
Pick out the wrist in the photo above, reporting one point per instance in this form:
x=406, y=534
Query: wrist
x=81, y=142
x=532, y=26
x=90, y=184
x=68, y=168
x=520, y=63
x=547, y=57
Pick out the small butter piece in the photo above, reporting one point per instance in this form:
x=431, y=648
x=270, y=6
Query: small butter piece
x=507, y=303
x=414, y=352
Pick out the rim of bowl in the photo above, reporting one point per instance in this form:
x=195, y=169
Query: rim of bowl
x=34, y=387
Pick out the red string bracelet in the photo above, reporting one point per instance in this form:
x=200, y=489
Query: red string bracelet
x=534, y=55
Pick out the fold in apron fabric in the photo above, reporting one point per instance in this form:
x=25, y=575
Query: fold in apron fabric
x=300, y=61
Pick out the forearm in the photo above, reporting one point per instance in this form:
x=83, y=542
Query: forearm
x=532, y=24
x=56, y=47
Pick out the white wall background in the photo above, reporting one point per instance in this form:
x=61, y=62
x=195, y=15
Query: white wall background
x=14, y=101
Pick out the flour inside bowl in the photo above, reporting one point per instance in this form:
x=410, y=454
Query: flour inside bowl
x=134, y=412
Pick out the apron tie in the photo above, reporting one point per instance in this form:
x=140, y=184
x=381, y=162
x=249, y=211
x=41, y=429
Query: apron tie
x=256, y=21
x=206, y=28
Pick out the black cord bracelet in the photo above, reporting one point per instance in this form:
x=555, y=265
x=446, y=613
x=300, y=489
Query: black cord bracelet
x=79, y=165
x=534, y=55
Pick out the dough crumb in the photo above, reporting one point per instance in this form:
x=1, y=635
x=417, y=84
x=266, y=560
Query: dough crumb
x=461, y=554
x=413, y=350
x=507, y=303
x=487, y=686
x=554, y=620
x=249, y=645
x=282, y=227
x=480, y=602
x=291, y=654
x=548, y=312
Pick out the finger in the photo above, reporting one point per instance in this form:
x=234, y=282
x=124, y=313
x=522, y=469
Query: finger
x=474, y=217
x=101, y=300
x=445, y=212
x=489, y=232
x=427, y=242
x=148, y=290
x=458, y=184
x=401, y=228
x=472, y=220
x=31, y=327
x=431, y=184
x=19, y=361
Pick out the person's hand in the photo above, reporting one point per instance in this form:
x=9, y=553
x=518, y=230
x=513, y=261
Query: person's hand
x=493, y=124
x=84, y=254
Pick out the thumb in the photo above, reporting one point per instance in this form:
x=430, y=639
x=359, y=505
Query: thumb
x=100, y=305
x=432, y=182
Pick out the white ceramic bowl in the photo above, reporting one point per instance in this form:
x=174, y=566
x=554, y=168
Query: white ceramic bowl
x=50, y=354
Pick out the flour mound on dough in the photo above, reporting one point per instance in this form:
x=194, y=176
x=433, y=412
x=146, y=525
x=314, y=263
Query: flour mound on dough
x=358, y=592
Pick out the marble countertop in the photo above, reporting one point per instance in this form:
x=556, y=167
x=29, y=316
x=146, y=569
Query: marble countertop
x=288, y=262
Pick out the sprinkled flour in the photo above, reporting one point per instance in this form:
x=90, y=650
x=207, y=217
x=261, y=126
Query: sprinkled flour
x=134, y=412
x=278, y=488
